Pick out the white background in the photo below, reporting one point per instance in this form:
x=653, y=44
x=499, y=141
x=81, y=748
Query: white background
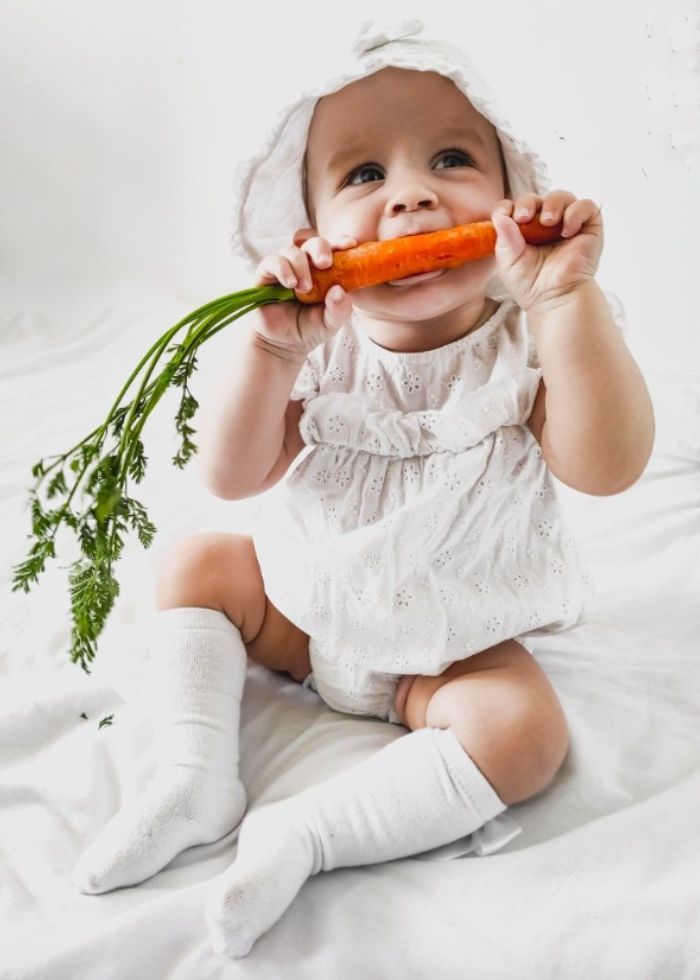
x=121, y=124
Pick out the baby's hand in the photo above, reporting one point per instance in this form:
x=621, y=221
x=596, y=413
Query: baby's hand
x=537, y=275
x=295, y=328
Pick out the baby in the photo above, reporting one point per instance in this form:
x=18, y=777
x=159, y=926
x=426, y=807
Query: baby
x=419, y=543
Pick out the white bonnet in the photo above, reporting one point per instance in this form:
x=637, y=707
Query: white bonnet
x=268, y=186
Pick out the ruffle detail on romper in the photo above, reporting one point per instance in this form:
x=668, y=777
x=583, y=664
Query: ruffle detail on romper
x=307, y=382
x=349, y=419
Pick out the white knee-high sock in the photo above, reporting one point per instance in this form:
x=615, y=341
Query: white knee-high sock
x=197, y=675
x=419, y=792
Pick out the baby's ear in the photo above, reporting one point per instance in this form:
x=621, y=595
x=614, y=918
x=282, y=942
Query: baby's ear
x=302, y=234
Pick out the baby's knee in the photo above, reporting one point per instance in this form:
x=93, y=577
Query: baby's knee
x=508, y=719
x=516, y=740
x=213, y=569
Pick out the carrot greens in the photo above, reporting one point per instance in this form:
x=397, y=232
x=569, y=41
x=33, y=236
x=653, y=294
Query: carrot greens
x=111, y=510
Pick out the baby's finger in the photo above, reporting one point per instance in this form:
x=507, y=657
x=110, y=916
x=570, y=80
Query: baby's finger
x=301, y=235
x=321, y=249
x=336, y=297
x=526, y=207
x=300, y=268
x=338, y=307
x=343, y=241
x=320, y=252
x=553, y=205
x=577, y=214
x=277, y=268
x=504, y=207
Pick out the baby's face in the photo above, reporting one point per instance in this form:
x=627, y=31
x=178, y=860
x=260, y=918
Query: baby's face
x=397, y=152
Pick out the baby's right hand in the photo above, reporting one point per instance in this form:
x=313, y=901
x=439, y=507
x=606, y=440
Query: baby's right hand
x=292, y=327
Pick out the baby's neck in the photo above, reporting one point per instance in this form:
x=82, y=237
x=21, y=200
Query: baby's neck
x=394, y=336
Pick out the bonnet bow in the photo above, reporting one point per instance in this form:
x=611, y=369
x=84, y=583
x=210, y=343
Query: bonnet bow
x=373, y=34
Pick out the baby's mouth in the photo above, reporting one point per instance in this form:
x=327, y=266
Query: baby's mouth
x=410, y=280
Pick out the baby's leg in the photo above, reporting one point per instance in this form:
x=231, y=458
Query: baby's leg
x=210, y=606
x=494, y=735
x=503, y=710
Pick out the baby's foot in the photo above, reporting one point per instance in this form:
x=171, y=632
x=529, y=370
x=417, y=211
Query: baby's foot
x=178, y=810
x=275, y=858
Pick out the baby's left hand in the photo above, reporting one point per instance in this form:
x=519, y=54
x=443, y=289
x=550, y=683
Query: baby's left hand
x=537, y=275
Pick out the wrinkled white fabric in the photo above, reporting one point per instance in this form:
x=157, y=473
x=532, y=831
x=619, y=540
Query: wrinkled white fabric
x=422, y=525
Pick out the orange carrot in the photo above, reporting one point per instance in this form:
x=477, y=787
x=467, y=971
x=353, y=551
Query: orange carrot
x=372, y=263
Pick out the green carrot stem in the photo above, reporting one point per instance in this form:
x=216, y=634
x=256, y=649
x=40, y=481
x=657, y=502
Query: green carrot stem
x=191, y=343
x=101, y=428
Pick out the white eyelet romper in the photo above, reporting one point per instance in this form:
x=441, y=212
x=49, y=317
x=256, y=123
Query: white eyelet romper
x=422, y=525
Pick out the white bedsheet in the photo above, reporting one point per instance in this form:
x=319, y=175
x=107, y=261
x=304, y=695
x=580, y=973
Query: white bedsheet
x=603, y=881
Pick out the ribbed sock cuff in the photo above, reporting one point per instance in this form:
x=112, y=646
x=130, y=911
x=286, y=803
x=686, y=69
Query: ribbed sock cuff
x=194, y=617
x=469, y=779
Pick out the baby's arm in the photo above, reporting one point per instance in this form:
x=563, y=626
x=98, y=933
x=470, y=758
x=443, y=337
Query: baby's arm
x=599, y=420
x=253, y=435
x=244, y=440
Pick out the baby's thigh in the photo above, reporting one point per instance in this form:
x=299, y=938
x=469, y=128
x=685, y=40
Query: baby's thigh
x=220, y=570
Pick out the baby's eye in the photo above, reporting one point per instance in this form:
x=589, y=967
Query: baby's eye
x=371, y=167
x=360, y=170
x=458, y=154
